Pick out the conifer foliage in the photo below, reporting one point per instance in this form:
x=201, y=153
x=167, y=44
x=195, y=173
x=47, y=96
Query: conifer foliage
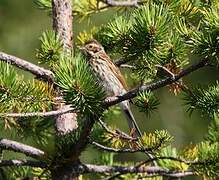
x=158, y=41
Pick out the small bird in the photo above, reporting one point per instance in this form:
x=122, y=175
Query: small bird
x=110, y=77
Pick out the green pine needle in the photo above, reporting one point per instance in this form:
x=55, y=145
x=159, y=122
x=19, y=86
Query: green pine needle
x=204, y=99
x=170, y=151
x=19, y=96
x=44, y=4
x=157, y=140
x=79, y=86
x=208, y=157
x=147, y=102
x=50, y=50
x=114, y=34
x=213, y=130
x=205, y=42
x=149, y=27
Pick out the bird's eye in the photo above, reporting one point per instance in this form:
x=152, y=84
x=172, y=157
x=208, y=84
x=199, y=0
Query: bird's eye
x=90, y=46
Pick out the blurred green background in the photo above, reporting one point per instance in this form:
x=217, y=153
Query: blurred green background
x=21, y=25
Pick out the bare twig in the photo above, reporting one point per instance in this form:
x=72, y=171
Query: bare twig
x=15, y=162
x=39, y=72
x=109, y=149
x=22, y=148
x=110, y=101
x=165, y=69
x=117, y=132
x=133, y=3
x=37, y=114
x=173, y=175
x=180, y=174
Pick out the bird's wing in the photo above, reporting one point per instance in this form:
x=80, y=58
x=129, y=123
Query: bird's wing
x=114, y=69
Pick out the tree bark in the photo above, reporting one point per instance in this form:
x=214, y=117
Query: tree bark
x=62, y=24
x=66, y=123
x=62, y=21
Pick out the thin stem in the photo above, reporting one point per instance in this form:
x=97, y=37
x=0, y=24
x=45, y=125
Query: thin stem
x=37, y=114
x=109, y=149
x=117, y=132
x=113, y=3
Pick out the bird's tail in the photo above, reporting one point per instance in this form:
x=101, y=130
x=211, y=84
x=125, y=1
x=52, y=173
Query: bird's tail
x=133, y=126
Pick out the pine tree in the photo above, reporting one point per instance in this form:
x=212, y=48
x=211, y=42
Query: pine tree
x=64, y=108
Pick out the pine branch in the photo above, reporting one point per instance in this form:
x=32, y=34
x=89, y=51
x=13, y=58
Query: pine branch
x=113, y=3
x=15, y=162
x=156, y=159
x=83, y=140
x=39, y=72
x=110, y=101
x=22, y=148
x=37, y=114
x=156, y=171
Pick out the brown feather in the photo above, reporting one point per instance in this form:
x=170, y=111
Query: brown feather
x=114, y=69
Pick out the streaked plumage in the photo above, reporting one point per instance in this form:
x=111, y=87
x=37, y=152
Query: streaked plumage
x=110, y=77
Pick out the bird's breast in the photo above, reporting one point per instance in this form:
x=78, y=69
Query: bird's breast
x=106, y=77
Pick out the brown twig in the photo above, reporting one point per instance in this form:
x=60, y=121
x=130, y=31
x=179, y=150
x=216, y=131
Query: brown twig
x=22, y=148
x=39, y=72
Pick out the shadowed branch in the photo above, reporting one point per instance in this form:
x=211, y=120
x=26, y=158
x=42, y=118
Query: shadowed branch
x=15, y=162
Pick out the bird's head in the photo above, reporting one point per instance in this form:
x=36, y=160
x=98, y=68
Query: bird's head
x=92, y=47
